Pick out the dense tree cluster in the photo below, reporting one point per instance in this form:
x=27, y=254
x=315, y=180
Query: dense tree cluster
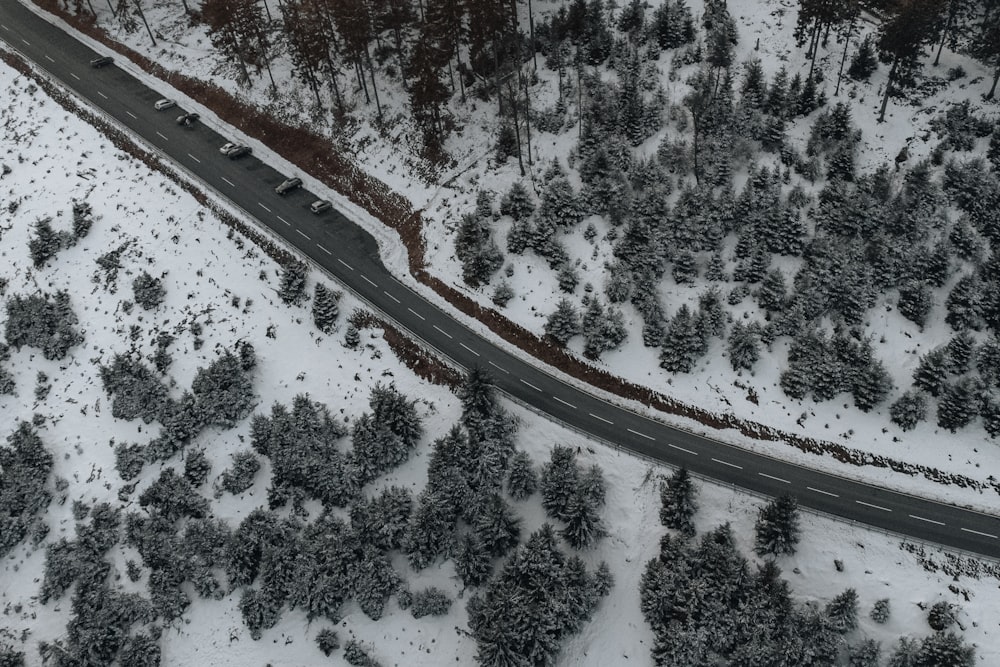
x=43, y=321
x=25, y=466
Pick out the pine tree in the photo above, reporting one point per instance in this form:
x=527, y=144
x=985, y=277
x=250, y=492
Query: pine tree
x=351, y=337
x=771, y=294
x=915, y=302
x=932, y=371
x=497, y=527
x=517, y=203
x=843, y=611
x=864, y=62
x=880, y=611
x=908, y=410
x=472, y=561
x=292, y=289
x=324, y=309
x=777, y=527
x=564, y=322
x=944, y=650
x=559, y=481
x=964, y=304
x=957, y=406
x=522, y=480
x=683, y=343
x=583, y=523
x=909, y=27
x=866, y=654
x=677, y=497
x=44, y=245
x=744, y=345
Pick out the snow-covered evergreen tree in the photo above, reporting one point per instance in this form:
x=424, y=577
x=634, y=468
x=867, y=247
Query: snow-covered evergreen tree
x=908, y=410
x=292, y=289
x=777, y=527
x=678, y=505
x=564, y=322
x=324, y=308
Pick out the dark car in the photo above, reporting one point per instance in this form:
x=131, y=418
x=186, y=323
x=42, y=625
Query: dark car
x=320, y=205
x=187, y=119
x=239, y=151
x=103, y=61
x=288, y=185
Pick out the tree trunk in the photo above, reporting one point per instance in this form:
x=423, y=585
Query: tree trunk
x=333, y=83
x=517, y=130
x=527, y=117
x=361, y=79
x=534, y=51
x=843, y=58
x=815, y=48
x=142, y=15
x=888, y=86
x=268, y=10
x=187, y=10
x=697, y=172
x=944, y=33
x=458, y=66
x=371, y=70
x=112, y=8
x=267, y=61
x=993, y=89
x=399, y=56
x=496, y=77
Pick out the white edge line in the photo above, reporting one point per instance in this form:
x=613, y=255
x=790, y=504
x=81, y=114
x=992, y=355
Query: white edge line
x=878, y=507
x=682, y=449
x=642, y=435
x=606, y=421
x=303, y=235
x=324, y=249
x=283, y=220
x=501, y=368
x=394, y=299
x=920, y=518
x=417, y=314
x=465, y=346
x=776, y=479
x=345, y=264
x=825, y=493
x=449, y=336
x=524, y=381
x=727, y=463
x=194, y=158
x=564, y=402
x=976, y=532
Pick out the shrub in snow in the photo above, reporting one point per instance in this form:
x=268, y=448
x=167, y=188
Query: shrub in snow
x=880, y=611
x=129, y=460
x=430, y=602
x=148, y=291
x=502, y=294
x=173, y=497
x=44, y=245
x=224, y=390
x=260, y=612
x=356, y=654
x=134, y=388
x=83, y=218
x=140, y=651
x=327, y=641
x=959, y=127
x=42, y=321
x=239, y=476
x=25, y=465
x=940, y=617
x=9, y=657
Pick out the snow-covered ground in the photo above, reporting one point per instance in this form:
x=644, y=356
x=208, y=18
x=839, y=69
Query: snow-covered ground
x=228, y=286
x=765, y=28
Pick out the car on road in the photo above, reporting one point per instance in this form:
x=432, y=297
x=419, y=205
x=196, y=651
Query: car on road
x=320, y=205
x=288, y=185
x=187, y=119
x=227, y=147
x=239, y=151
x=103, y=61
x=164, y=104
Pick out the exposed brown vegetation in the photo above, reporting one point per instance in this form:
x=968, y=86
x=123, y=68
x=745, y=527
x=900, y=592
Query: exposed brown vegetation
x=319, y=156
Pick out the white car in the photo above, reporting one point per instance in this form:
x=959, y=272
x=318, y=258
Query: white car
x=320, y=205
x=228, y=148
x=164, y=104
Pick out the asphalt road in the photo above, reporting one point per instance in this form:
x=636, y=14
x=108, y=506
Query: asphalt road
x=351, y=255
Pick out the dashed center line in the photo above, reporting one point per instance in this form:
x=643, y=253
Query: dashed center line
x=264, y=207
x=567, y=404
x=283, y=220
x=682, y=449
x=469, y=349
x=976, y=532
x=530, y=385
x=131, y=114
x=26, y=41
x=641, y=435
x=598, y=417
x=74, y=76
x=443, y=331
x=194, y=158
x=920, y=518
x=500, y=368
x=228, y=181
x=345, y=264
x=303, y=235
x=4, y=27
x=776, y=479
x=394, y=299
x=878, y=507
x=727, y=463
x=324, y=249
x=49, y=59
x=417, y=314
x=102, y=94
x=825, y=493
x=369, y=280
x=163, y=137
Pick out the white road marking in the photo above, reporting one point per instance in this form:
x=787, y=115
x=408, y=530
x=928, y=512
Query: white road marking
x=825, y=493
x=442, y=331
x=370, y=281
x=776, y=479
x=976, y=532
x=303, y=235
x=727, y=463
x=606, y=421
x=642, y=435
x=264, y=207
x=74, y=76
x=283, y=220
x=920, y=518
x=417, y=314
x=49, y=59
x=345, y=264
x=324, y=249
x=194, y=158
x=131, y=114
x=682, y=449
x=501, y=368
x=163, y=137
x=469, y=349
x=394, y=299
x=26, y=42
x=4, y=27
x=878, y=507
x=102, y=94
x=228, y=181
x=564, y=402
x=530, y=385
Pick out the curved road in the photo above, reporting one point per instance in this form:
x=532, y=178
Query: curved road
x=351, y=255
